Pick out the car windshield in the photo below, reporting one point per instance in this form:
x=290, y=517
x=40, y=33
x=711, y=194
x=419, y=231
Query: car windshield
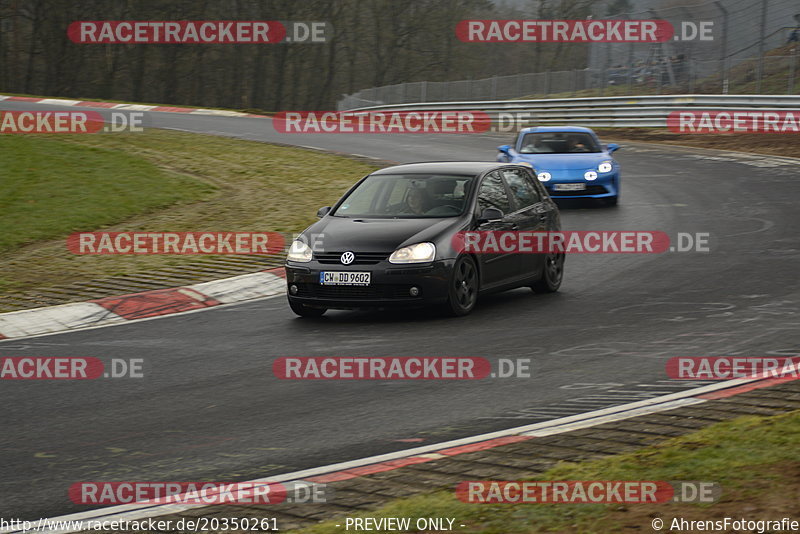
x=407, y=196
x=558, y=143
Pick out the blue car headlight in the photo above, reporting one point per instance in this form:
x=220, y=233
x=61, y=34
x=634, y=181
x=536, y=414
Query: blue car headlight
x=590, y=175
x=605, y=166
x=544, y=176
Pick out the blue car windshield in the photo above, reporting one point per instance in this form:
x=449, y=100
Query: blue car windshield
x=407, y=196
x=558, y=143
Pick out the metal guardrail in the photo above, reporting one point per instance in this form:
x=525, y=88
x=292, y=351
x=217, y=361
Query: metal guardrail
x=612, y=111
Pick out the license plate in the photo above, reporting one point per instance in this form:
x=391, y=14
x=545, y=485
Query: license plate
x=344, y=278
x=569, y=187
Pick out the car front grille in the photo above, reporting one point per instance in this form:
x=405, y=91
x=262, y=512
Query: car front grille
x=590, y=190
x=362, y=258
x=378, y=291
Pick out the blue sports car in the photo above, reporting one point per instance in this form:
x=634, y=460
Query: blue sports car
x=569, y=161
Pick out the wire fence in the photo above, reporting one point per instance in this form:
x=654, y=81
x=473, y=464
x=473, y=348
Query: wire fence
x=773, y=75
x=753, y=49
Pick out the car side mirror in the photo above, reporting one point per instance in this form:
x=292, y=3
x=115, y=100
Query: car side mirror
x=322, y=212
x=612, y=147
x=505, y=149
x=490, y=215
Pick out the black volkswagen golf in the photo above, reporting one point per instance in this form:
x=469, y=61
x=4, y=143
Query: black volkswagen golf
x=390, y=240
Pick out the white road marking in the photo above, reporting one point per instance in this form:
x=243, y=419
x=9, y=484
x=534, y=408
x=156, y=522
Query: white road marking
x=38, y=321
x=241, y=288
x=53, y=320
x=59, y=102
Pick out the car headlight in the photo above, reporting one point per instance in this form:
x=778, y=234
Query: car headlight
x=419, y=253
x=543, y=176
x=605, y=166
x=590, y=175
x=299, y=252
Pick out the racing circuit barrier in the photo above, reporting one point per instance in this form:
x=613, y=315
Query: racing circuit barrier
x=610, y=112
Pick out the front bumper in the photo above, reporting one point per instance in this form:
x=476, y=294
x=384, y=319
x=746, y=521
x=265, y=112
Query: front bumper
x=603, y=187
x=390, y=285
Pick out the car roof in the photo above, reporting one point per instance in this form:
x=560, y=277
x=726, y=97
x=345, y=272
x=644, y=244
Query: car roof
x=575, y=129
x=443, y=167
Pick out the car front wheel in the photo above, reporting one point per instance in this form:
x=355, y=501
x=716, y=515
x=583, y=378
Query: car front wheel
x=463, y=287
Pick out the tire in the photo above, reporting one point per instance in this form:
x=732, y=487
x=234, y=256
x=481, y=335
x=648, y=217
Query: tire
x=306, y=311
x=462, y=289
x=552, y=274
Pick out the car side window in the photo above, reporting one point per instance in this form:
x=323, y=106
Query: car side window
x=492, y=194
x=521, y=187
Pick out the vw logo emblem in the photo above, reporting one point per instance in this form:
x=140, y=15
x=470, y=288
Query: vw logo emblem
x=348, y=258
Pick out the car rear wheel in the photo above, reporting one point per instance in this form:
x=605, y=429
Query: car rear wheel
x=552, y=274
x=463, y=287
x=306, y=311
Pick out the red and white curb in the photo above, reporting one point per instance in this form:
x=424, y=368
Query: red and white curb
x=418, y=455
x=126, y=107
x=119, y=309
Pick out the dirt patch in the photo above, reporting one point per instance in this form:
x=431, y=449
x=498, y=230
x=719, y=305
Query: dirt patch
x=771, y=144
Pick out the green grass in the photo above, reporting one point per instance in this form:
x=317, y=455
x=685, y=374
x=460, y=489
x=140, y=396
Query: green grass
x=745, y=456
x=51, y=188
x=158, y=180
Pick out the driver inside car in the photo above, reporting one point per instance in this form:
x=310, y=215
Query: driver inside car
x=574, y=144
x=417, y=201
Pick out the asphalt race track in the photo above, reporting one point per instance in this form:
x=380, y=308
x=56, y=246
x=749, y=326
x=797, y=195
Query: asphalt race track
x=209, y=407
